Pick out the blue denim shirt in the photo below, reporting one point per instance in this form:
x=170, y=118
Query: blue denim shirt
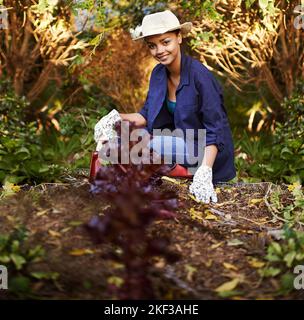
x=199, y=105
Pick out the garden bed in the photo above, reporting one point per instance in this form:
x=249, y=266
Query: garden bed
x=219, y=244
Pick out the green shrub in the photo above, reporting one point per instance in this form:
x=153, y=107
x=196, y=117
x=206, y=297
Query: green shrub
x=282, y=257
x=27, y=155
x=20, y=146
x=278, y=157
x=18, y=256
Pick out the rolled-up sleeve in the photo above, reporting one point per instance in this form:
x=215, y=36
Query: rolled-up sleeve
x=211, y=109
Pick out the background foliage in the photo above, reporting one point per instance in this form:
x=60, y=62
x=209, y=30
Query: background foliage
x=58, y=79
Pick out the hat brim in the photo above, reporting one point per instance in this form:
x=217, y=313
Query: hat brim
x=184, y=27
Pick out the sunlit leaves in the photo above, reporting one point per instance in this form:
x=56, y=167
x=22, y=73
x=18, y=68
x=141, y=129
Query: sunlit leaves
x=44, y=5
x=9, y=189
x=228, y=286
x=264, y=3
x=255, y=263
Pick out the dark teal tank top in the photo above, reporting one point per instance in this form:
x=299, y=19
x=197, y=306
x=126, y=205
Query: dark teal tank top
x=170, y=105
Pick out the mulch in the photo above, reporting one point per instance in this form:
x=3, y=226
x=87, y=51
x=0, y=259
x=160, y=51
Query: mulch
x=216, y=242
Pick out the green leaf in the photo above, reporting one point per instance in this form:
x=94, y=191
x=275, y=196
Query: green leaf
x=277, y=248
x=269, y=272
x=23, y=153
x=232, y=293
x=291, y=244
x=15, y=246
x=300, y=256
x=272, y=257
x=5, y=259
x=75, y=223
x=36, y=253
x=49, y=154
x=43, y=168
x=289, y=258
x=286, y=150
x=18, y=260
x=40, y=275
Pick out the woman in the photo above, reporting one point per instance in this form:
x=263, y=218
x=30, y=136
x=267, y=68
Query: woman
x=182, y=94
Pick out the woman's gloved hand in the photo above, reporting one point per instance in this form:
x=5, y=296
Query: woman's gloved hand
x=104, y=128
x=202, y=186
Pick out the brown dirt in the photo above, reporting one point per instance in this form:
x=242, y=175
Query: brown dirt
x=215, y=242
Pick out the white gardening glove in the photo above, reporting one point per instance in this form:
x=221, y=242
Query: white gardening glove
x=202, y=186
x=104, y=128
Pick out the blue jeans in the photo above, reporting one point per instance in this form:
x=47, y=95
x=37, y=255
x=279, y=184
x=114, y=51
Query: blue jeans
x=172, y=150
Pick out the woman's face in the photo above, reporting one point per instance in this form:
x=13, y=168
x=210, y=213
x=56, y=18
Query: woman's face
x=164, y=47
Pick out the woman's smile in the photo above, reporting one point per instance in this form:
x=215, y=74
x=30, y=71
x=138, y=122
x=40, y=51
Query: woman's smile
x=163, y=57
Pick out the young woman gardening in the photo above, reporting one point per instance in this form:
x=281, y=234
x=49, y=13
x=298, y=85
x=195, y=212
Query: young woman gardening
x=183, y=94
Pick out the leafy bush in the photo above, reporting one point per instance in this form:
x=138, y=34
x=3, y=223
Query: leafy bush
x=279, y=157
x=29, y=155
x=20, y=153
x=283, y=257
x=288, y=145
x=17, y=256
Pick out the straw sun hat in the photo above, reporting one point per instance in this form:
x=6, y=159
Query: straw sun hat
x=159, y=23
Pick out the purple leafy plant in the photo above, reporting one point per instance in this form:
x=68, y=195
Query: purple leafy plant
x=135, y=205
